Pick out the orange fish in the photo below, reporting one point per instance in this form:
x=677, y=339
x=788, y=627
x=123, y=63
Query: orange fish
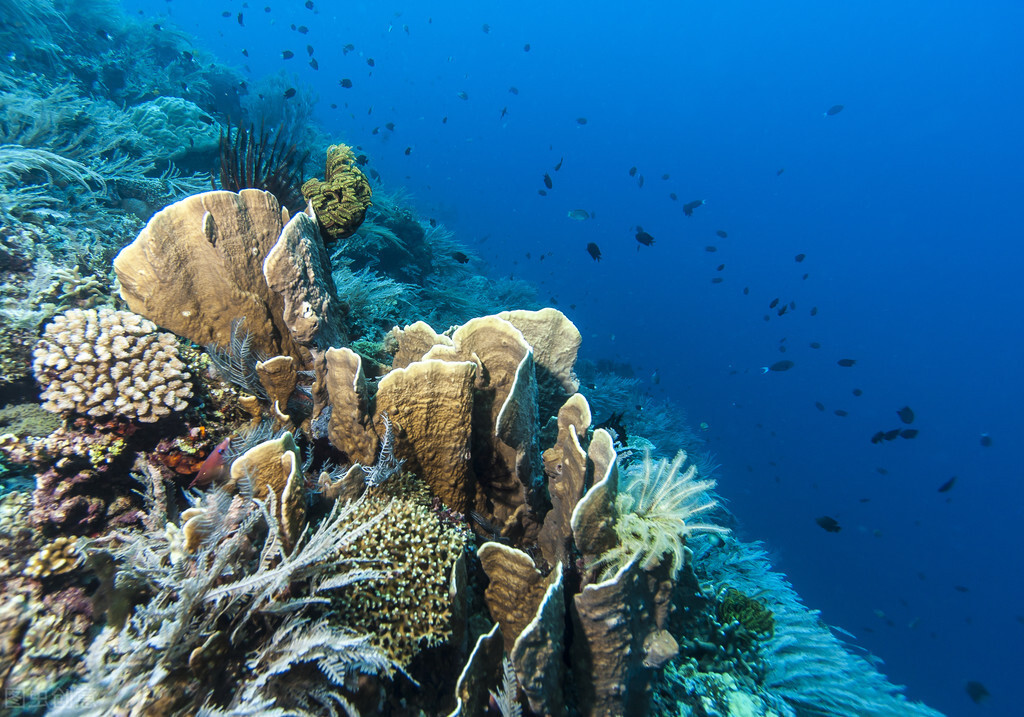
x=215, y=468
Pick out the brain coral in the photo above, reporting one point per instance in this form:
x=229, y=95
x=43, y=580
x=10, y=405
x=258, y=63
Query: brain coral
x=104, y=362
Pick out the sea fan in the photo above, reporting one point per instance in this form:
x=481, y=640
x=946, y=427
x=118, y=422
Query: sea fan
x=808, y=665
x=656, y=505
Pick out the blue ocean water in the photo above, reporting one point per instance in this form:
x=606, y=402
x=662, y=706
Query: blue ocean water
x=905, y=204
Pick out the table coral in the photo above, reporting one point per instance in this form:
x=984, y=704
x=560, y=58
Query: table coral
x=104, y=362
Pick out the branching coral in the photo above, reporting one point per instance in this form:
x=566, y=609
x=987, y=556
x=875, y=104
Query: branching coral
x=656, y=505
x=104, y=362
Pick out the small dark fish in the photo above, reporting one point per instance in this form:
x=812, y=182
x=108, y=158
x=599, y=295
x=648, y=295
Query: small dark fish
x=370, y=62
x=746, y=291
x=460, y=257
x=665, y=177
x=390, y=126
x=375, y=175
x=846, y=363
x=245, y=52
x=632, y=171
x=977, y=692
x=644, y=238
x=815, y=345
x=891, y=435
x=462, y=95
x=908, y=433
x=526, y=47
x=226, y=13
x=799, y=258
x=819, y=405
x=720, y=267
x=986, y=440
x=559, y=165
x=362, y=159
x=347, y=49
x=287, y=55
x=775, y=302
x=857, y=392
x=346, y=83
x=828, y=524
x=948, y=485
x=433, y=222
x=504, y=111
x=314, y=64
x=309, y=5
x=542, y=192
x=690, y=206
x=878, y=437
x=833, y=110
x=814, y=311
x=581, y=120
x=408, y=151
x=719, y=280
x=444, y=120
x=309, y=50
x=302, y=29
x=779, y=366
x=841, y=413
x=157, y=27
x=547, y=180
x=722, y=233
x=961, y=588
x=486, y=28
x=104, y=35
x=906, y=414
x=779, y=172
x=579, y=215
x=594, y=250
x=241, y=20
x=673, y=196
x=640, y=181
x=514, y=90
x=882, y=471
x=711, y=249
x=289, y=93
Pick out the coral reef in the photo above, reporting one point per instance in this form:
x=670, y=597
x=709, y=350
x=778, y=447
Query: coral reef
x=103, y=362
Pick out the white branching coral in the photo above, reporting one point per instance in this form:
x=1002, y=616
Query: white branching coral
x=104, y=362
x=656, y=507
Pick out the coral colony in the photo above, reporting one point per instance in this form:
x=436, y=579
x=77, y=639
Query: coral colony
x=247, y=468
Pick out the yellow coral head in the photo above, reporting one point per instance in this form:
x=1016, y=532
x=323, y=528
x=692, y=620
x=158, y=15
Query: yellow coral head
x=340, y=201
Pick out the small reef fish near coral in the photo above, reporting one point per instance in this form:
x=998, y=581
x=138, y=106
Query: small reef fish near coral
x=278, y=439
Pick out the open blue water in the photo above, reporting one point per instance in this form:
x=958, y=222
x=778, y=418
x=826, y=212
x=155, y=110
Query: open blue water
x=906, y=203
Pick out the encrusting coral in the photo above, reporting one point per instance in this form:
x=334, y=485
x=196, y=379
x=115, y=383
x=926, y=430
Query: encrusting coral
x=342, y=198
x=103, y=362
x=416, y=605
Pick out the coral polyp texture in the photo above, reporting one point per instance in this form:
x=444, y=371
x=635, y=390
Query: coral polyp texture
x=342, y=198
x=103, y=362
x=416, y=605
